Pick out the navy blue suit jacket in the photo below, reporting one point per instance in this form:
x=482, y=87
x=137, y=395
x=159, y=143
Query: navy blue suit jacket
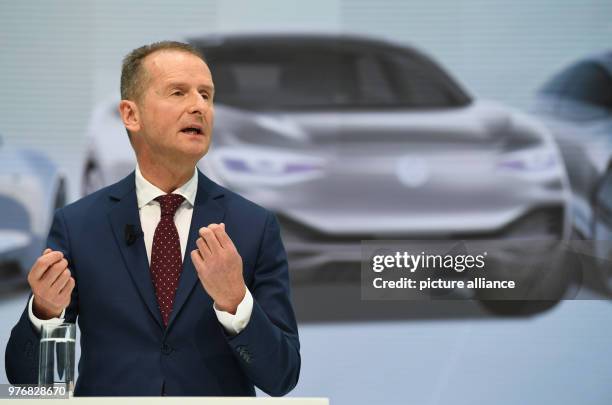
x=125, y=349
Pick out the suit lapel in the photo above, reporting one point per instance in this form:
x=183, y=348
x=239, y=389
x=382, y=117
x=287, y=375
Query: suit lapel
x=206, y=210
x=125, y=212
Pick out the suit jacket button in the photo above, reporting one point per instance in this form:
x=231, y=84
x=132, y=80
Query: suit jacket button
x=166, y=349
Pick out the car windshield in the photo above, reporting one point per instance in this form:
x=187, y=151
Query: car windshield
x=327, y=77
x=585, y=82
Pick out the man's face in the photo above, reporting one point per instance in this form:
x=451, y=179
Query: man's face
x=176, y=108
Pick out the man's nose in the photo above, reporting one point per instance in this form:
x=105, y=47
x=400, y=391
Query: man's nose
x=197, y=104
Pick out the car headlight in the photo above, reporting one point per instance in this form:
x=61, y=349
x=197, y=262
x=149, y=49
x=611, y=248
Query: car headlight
x=534, y=164
x=532, y=160
x=249, y=166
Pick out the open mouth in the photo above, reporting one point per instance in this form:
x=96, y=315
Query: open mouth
x=192, y=130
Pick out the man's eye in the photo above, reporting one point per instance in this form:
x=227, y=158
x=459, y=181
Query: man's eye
x=205, y=96
x=177, y=93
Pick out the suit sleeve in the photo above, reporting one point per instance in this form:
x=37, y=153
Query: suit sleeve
x=268, y=349
x=22, y=350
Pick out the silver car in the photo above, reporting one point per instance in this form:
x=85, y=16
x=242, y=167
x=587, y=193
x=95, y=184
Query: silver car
x=348, y=138
x=31, y=188
x=576, y=105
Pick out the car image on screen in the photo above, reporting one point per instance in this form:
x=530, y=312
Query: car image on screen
x=347, y=138
x=576, y=105
x=32, y=187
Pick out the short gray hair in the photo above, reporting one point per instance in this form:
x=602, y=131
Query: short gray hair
x=133, y=76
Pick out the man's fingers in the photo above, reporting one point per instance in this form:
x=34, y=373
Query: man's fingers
x=47, y=250
x=196, y=258
x=54, y=272
x=61, y=281
x=44, y=262
x=66, y=291
x=215, y=230
x=65, y=294
x=203, y=248
x=211, y=240
x=223, y=237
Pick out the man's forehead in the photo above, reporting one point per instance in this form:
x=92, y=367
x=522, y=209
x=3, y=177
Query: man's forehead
x=172, y=62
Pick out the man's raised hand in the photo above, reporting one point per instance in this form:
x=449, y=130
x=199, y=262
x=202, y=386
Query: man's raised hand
x=51, y=283
x=219, y=267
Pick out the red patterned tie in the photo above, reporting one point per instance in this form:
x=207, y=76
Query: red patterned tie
x=166, y=261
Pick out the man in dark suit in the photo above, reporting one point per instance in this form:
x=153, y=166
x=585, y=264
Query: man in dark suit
x=217, y=322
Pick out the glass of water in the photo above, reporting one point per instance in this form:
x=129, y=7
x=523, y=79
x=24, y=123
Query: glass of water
x=56, y=366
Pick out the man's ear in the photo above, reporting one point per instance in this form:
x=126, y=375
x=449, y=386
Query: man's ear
x=130, y=115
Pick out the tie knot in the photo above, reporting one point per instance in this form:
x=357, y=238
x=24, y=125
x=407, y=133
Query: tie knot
x=169, y=203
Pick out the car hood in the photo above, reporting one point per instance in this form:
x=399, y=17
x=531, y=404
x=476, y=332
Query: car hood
x=482, y=123
x=386, y=171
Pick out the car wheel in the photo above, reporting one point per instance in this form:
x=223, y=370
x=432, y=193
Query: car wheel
x=539, y=290
x=517, y=307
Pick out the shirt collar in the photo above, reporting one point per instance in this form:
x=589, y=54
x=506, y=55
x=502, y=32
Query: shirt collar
x=147, y=192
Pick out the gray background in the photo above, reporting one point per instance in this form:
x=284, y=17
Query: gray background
x=59, y=58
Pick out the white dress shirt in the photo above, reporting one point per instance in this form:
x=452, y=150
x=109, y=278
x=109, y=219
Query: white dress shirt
x=150, y=213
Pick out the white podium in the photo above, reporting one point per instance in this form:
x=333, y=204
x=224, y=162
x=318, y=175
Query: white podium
x=176, y=401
